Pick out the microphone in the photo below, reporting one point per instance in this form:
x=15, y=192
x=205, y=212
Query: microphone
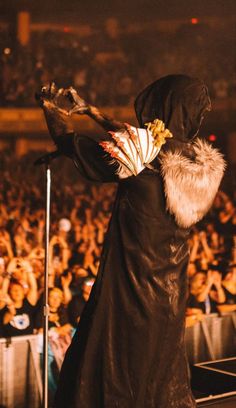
x=47, y=158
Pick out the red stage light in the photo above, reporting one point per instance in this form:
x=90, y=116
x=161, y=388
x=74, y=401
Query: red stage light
x=66, y=29
x=194, y=20
x=212, y=138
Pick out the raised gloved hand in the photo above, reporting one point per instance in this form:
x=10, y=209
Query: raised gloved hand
x=56, y=106
x=79, y=104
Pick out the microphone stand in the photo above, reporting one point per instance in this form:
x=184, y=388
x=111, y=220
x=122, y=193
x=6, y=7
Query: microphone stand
x=46, y=161
x=46, y=273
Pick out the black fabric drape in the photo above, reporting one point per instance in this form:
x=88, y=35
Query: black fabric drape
x=129, y=351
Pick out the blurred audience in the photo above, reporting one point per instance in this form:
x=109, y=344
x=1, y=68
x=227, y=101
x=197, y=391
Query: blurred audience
x=80, y=211
x=112, y=55
x=79, y=218
x=211, y=269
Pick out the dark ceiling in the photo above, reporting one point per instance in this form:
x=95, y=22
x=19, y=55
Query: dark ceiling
x=97, y=10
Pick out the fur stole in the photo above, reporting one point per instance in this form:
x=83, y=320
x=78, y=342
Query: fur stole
x=191, y=186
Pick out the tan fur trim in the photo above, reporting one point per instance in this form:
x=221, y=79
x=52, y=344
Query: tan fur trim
x=191, y=186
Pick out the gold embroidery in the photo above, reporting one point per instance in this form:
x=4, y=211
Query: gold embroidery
x=159, y=133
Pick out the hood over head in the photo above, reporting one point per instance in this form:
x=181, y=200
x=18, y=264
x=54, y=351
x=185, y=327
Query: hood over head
x=178, y=100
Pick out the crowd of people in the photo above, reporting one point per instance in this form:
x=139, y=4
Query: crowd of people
x=80, y=214
x=80, y=211
x=127, y=60
x=212, y=264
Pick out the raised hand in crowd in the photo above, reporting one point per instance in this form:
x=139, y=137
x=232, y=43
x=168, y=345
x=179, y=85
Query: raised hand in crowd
x=228, y=213
x=58, y=262
x=66, y=281
x=6, y=250
x=229, y=286
x=207, y=250
x=22, y=246
x=214, y=277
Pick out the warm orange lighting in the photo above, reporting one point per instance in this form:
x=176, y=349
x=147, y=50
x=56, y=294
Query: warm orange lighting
x=194, y=20
x=66, y=29
x=7, y=51
x=212, y=138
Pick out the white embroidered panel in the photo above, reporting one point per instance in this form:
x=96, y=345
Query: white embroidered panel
x=132, y=148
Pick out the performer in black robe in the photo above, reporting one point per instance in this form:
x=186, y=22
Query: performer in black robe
x=129, y=351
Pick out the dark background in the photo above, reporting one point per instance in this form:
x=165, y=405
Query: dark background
x=91, y=10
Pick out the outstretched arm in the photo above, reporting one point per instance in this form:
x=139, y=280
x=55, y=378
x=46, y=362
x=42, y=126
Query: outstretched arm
x=128, y=149
x=86, y=153
x=82, y=107
x=53, y=102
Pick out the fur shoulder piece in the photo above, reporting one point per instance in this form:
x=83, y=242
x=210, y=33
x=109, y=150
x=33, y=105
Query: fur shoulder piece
x=191, y=186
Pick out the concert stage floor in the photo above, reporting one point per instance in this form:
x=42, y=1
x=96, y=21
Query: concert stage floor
x=214, y=383
x=229, y=402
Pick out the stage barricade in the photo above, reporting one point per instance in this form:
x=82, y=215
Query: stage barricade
x=211, y=339
x=20, y=373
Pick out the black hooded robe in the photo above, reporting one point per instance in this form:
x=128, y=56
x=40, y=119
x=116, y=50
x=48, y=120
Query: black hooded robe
x=129, y=350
